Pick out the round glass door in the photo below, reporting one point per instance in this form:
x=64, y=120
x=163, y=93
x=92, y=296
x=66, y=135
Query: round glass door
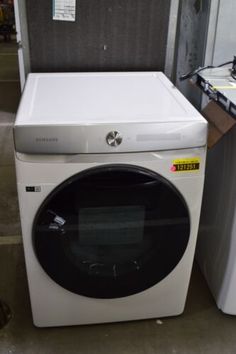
x=111, y=231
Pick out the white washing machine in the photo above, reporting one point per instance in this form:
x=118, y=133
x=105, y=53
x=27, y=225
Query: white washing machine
x=110, y=171
x=216, y=251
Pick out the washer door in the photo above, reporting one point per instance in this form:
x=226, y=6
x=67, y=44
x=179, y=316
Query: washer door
x=111, y=231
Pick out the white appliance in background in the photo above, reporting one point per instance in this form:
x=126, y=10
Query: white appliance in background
x=110, y=172
x=216, y=251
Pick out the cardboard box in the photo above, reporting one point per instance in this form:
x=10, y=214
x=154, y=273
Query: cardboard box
x=220, y=122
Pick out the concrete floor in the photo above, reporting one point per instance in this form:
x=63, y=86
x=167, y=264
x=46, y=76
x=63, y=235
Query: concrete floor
x=202, y=329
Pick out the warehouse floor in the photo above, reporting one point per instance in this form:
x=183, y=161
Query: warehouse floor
x=201, y=329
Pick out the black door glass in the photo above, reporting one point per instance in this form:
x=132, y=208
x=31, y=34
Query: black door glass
x=111, y=225
x=111, y=231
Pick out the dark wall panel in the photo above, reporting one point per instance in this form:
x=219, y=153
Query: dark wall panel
x=107, y=35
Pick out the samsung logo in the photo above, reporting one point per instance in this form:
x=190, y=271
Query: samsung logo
x=46, y=140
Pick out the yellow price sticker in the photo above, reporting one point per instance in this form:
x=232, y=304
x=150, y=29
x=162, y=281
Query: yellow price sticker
x=186, y=165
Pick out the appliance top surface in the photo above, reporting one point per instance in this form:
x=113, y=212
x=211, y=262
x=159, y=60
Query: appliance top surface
x=100, y=98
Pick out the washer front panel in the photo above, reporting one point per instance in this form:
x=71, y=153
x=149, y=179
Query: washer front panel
x=111, y=231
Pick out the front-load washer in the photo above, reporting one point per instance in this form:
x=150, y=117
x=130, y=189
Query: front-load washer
x=110, y=171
